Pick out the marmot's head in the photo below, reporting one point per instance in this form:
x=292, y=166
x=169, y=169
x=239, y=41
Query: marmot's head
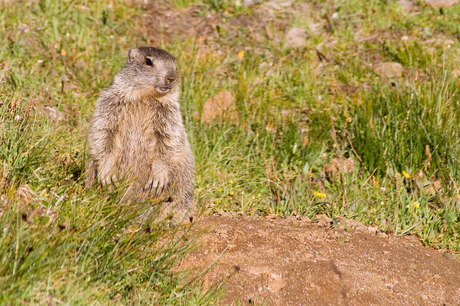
x=150, y=72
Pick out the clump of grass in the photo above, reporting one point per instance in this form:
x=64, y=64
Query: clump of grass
x=404, y=129
x=61, y=242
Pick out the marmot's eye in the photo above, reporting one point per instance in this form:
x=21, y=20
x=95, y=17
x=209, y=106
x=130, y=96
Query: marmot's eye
x=148, y=62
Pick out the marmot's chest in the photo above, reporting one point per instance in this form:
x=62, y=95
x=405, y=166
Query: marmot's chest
x=143, y=129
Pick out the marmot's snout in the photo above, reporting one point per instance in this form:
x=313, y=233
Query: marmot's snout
x=167, y=85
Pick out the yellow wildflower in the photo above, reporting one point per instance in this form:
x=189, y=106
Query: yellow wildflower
x=319, y=195
x=240, y=55
x=405, y=174
x=416, y=204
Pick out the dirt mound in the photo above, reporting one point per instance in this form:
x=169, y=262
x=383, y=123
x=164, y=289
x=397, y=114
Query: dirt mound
x=289, y=262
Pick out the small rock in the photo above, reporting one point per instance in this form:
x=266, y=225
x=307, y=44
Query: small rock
x=272, y=216
x=275, y=276
x=352, y=224
x=413, y=266
x=360, y=228
x=372, y=229
x=276, y=284
x=324, y=221
x=222, y=105
x=389, y=70
x=441, y=3
x=382, y=235
x=295, y=38
x=251, y=2
x=407, y=6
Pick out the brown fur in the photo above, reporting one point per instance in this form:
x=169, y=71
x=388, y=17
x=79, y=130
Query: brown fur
x=137, y=133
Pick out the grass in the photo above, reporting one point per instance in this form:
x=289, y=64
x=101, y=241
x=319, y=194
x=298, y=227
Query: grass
x=62, y=243
x=297, y=115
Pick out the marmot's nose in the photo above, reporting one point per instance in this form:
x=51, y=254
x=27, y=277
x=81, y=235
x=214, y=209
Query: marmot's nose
x=169, y=80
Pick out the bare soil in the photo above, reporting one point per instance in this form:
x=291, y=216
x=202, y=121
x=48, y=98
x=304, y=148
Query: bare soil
x=291, y=262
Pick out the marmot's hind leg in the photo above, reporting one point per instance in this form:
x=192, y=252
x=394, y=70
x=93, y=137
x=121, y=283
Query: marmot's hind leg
x=91, y=173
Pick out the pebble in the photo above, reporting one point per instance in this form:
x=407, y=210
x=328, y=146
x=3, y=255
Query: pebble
x=389, y=70
x=295, y=38
x=441, y=3
x=251, y=2
x=407, y=6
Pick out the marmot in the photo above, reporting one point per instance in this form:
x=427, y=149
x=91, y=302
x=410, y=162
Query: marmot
x=137, y=133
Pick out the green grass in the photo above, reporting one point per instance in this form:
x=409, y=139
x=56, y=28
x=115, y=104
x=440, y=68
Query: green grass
x=60, y=242
x=296, y=114
x=182, y=4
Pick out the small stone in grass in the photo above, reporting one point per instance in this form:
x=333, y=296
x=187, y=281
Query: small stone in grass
x=251, y=2
x=389, y=70
x=295, y=38
x=222, y=106
x=407, y=6
x=441, y=3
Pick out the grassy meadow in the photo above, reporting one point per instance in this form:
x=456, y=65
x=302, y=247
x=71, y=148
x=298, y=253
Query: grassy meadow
x=318, y=131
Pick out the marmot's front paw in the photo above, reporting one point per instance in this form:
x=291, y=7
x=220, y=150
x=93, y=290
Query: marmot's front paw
x=158, y=183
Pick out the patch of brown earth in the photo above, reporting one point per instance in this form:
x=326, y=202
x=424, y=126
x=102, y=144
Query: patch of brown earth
x=290, y=262
x=163, y=22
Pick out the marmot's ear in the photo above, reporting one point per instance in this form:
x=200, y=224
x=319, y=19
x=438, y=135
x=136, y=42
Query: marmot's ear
x=135, y=56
